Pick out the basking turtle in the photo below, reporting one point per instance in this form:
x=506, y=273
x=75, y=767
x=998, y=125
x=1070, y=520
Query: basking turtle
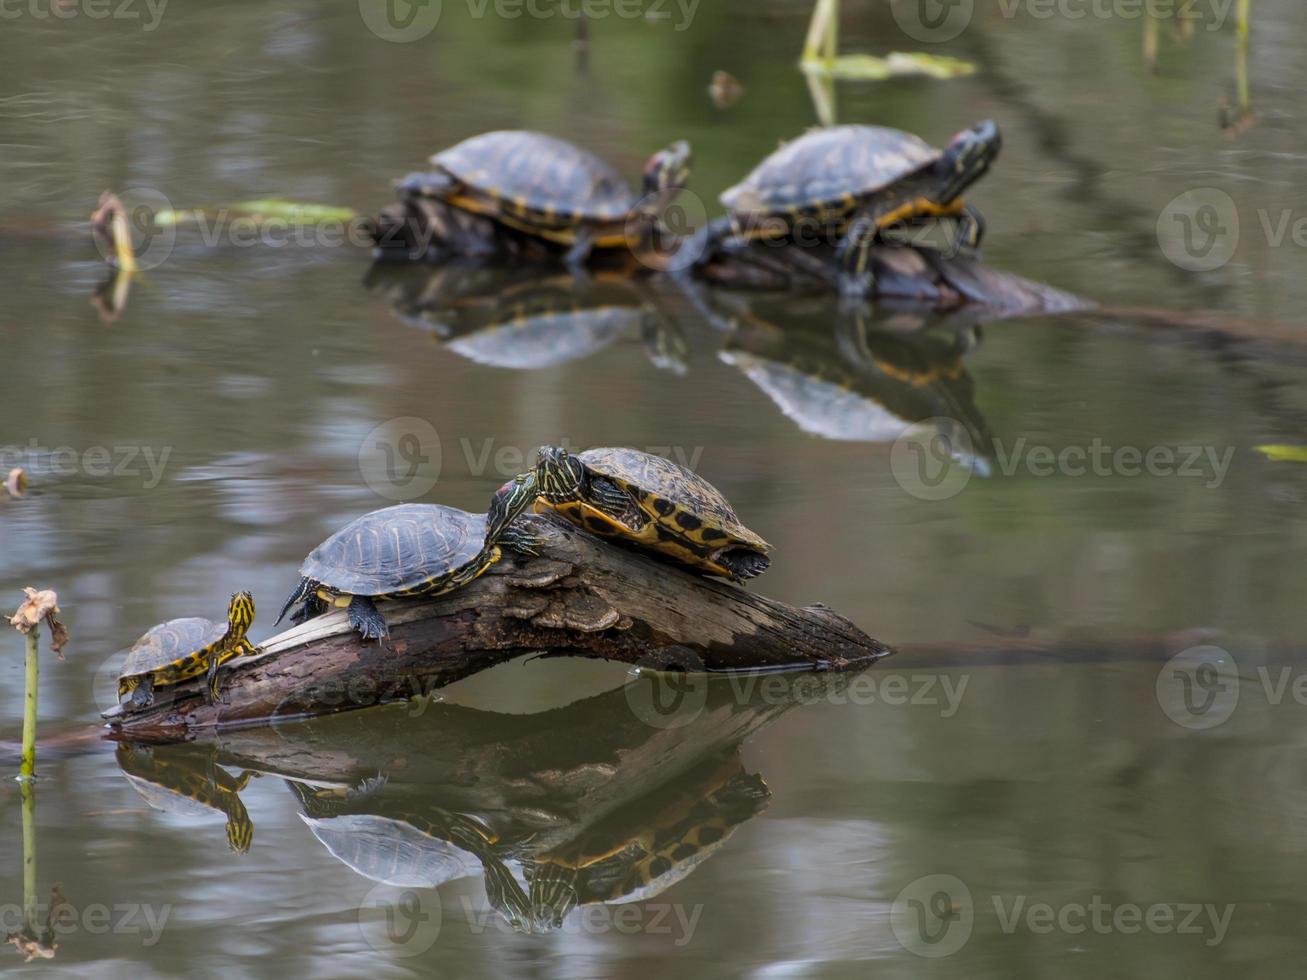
x=411, y=850
x=653, y=502
x=175, y=784
x=550, y=189
x=409, y=550
x=180, y=649
x=861, y=181
x=611, y=864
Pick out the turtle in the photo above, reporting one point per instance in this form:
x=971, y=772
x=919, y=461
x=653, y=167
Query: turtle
x=180, y=649
x=547, y=188
x=653, y=502
x=173, y=783
x=409, y=849
x=861, y=181
x=645, y=849
x=409, y=550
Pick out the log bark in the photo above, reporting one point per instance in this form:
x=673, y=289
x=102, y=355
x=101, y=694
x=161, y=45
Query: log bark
x=583, y=597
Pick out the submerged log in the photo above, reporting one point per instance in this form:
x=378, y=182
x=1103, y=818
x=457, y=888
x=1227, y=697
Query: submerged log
x=583, y=597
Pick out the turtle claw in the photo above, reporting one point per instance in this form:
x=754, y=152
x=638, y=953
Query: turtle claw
x=366, y=620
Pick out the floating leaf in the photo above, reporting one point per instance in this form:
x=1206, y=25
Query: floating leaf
x=271, y=209
x=869, y=68
x=1284, y=454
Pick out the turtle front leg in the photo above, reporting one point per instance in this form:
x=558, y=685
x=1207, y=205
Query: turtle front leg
x=212, y=677
x=522, y=540
x=971, y=229
x=608, y=497
x=857, y=278
x=366, y=620
x=579, y=254
x=143, y=695
x=743, y=563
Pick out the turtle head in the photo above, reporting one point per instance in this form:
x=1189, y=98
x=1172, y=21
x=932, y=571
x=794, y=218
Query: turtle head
x=240, y=613
x=668, y=169
x=967, y=158
x=561, y=475
x=508, y=504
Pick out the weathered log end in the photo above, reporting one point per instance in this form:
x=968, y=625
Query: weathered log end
x=583, y=597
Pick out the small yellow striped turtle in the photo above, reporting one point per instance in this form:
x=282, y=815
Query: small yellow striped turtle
x=862, y=180
x=180, y=649
x=409, y=550
x=551, y=189
x=179, y=785
x=650, y=501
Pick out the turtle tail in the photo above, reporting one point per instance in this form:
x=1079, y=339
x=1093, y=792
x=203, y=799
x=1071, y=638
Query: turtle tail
x=301, y=593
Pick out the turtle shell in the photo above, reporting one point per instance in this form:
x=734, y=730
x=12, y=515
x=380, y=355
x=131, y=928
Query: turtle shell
x=694, y=503
x=830, y=168
x=392, y=851
x=170, y=642
x=397, y=548
x=539, y=172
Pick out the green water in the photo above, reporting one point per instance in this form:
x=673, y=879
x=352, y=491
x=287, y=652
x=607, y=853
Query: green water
x=1031, y=741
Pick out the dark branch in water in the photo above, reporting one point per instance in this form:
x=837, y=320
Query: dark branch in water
x=582, y=598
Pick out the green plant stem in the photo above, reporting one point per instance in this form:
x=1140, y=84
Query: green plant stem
x=28, y=791
x=27, y=770
x=1241, y=56
x=832, y=33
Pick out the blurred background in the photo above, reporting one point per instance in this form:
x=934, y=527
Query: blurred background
x=237, y=392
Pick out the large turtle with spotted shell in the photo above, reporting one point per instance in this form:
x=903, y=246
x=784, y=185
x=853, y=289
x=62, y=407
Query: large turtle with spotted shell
x=651, y=502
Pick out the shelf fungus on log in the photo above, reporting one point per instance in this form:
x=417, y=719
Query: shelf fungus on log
x=583, y=597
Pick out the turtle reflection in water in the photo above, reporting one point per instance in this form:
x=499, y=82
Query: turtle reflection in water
x=854, y=383
x=646, y=847
x=509, y=318
x=177, y=783
x=411, y=849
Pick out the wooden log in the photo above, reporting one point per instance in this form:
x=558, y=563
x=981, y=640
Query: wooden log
x=583, y=597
